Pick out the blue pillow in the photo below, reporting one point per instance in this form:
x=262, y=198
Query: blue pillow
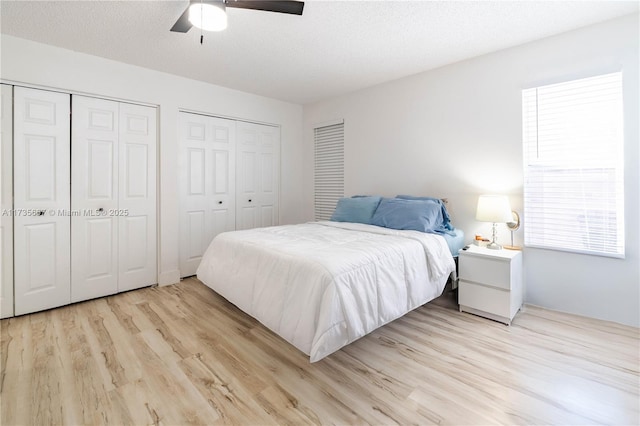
x=416, y=215
x=446, y=219
x=355, y=210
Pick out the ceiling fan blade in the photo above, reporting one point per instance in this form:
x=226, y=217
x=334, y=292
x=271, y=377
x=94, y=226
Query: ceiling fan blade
x=182, y=25
x=282, y=6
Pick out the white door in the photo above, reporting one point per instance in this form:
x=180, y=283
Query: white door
x=6, y=203
x=136, y=213
x=41, y=199
x=207, y=185
x=94, y=198
x=258, y=176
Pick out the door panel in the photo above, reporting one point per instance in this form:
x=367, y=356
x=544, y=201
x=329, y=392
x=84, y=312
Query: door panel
x=207, y=173
x=100, y=250
x=41, y=167
x=136, y=175
x=248, y=186
x=221, y=173
x=194, y=130
x=94, y=195
x=6, y=202
x=41, y=199
x=221, y=221
x=269, y=194
x=136, y=212
x=266, y=170
x=258, y=177
x=101, y=169
x=197, y=231
x=248, y=217
x=40, y=254
x=267, y=215
x=136, y=254
x=196, y=167
x=249, y=169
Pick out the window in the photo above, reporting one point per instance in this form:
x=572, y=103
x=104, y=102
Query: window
x=329, y=169
x=573, y=166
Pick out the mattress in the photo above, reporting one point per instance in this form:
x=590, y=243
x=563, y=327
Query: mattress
x=455, y=241
x=322, y=285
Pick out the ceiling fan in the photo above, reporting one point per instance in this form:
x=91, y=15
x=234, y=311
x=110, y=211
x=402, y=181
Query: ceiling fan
x=211, y=15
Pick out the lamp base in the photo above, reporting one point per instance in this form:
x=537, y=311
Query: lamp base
x=494, y=246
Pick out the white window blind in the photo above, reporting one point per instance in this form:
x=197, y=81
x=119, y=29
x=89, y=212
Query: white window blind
x=573, y=166
x=329, y=169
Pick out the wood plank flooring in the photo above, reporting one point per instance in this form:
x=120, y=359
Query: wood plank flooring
x=183, y=355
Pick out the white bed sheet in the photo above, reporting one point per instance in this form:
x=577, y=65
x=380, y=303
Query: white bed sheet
x=322, y=285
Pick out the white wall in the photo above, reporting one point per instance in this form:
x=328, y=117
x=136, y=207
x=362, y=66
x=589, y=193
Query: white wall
x=40, y=64
x=456, y=132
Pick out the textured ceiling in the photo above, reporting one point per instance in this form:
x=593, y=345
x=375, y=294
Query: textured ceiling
x=334, y=48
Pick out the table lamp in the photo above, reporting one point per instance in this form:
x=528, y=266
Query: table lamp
x=495, y=209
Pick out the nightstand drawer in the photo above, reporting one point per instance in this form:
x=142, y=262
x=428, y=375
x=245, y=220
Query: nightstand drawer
x=486, y=270
x=491, y=300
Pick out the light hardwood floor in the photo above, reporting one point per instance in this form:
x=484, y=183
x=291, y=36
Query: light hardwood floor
x=183, y=355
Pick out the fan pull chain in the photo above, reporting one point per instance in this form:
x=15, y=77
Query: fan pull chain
x=201, y=19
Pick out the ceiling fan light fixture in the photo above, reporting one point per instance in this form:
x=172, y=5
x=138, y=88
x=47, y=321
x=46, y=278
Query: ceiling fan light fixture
x=208, y=16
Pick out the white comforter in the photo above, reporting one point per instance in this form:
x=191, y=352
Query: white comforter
x=322, y=285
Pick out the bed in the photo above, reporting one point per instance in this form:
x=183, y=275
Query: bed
x=322, y=285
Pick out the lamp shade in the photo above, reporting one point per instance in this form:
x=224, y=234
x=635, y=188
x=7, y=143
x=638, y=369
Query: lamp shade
x=210, y=16
x=493, y=208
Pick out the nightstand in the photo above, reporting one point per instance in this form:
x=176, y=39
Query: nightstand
x=490, y=283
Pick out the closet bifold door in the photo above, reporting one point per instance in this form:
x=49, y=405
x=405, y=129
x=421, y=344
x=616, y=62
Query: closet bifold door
x=207, y=184
x=6, y=202
x=258, y=182
x=94, y=198
x=113, y=197
x=41, y=200
x=137, y=233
